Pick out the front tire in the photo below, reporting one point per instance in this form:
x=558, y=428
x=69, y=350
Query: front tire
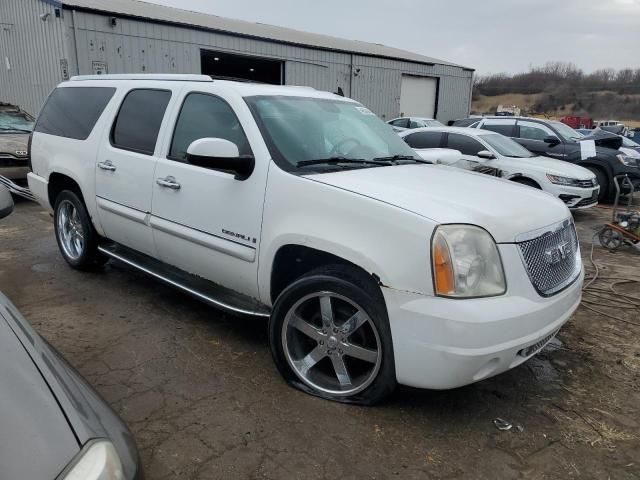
x=76, y=237
x=330, y=337
x=603, y=181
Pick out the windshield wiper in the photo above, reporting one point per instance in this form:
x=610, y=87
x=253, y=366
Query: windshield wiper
x=11, y=129
x=396, y=158
x=339, y=160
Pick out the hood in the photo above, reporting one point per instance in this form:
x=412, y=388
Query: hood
x=14, y=142
x=558, y=167
x=605, y=139
x=448, y=195
x=35, y=438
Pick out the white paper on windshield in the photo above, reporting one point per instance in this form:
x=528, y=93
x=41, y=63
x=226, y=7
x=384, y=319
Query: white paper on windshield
x=587, y=149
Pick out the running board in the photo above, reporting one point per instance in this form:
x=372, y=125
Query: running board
x=208, y=292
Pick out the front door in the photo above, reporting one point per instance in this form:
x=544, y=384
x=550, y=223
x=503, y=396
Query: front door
x=205, y=221
x=125, y=166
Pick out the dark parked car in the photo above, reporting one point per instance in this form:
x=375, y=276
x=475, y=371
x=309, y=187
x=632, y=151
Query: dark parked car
x=53, y=425
x=15, y=128
x=557, y=140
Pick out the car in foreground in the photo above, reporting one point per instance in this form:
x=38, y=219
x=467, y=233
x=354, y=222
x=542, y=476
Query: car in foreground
x=494, y=154
x=372, y=266
x=53, y=424
x=406, y=123
x=556, y=140
x=15, y=128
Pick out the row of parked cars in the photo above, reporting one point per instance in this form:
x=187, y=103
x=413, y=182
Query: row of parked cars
x=373, y=265
x=528, y=150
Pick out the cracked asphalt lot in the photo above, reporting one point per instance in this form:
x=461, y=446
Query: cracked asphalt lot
x=200, y=392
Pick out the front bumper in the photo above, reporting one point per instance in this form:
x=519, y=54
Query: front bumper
x=577, y=198
x=442, y=343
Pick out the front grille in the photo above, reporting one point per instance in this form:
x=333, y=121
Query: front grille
x=587, y=183
x=552, y=259
x=536, y=347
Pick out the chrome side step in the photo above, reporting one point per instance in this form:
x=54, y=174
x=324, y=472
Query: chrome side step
x=208, y=292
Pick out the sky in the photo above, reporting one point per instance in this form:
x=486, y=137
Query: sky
x=491, y=36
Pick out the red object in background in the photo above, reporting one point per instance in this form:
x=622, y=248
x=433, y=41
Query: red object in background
x=578, y=122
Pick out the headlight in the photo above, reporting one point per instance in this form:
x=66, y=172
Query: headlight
x=98, y=460
x=466, y=263
x=627, y=160
x=558, y=180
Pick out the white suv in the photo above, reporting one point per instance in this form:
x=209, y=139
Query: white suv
x=494, y=154
x=302, y=206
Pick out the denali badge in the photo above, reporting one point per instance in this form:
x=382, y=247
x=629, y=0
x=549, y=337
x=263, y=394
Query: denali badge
x=21, y=153
x=557, y=254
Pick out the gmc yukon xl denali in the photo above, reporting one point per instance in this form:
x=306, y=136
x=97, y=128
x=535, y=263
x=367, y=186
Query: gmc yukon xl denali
x=373, y=267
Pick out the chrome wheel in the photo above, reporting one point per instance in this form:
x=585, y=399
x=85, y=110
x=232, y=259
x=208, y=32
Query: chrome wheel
x=70, y=230
x=331, y=344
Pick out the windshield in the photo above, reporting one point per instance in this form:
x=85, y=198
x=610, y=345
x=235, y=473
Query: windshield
x=627, y=142
x=15, y=122
x=304, y=129
x=506, y=147
x=566, y=131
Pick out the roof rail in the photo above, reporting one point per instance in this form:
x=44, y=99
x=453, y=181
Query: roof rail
x=145, y=76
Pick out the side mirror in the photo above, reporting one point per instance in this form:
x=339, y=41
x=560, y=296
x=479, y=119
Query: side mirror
x=220, y=154
x=551, y=140
x=486, y=155
x=6, y=202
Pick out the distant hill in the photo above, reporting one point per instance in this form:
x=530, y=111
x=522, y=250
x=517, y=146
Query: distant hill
x=559, y=89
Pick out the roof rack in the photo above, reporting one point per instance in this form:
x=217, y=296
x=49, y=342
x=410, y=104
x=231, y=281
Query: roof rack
x=175, y=77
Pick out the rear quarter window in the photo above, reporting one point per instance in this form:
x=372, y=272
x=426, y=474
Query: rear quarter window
x=72, y=112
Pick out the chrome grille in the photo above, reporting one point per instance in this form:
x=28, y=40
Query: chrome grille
x=552, y=259
x=587, y=183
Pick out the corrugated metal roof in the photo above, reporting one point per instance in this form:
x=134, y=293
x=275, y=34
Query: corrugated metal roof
x=145, y=10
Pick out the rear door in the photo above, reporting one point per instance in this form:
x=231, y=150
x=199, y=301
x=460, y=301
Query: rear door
x=205, y=221
x=531, y=135
x=125, y=166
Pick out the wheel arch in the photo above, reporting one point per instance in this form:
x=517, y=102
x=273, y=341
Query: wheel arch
x=516, y=177
x=59, y=182
x=292, y=260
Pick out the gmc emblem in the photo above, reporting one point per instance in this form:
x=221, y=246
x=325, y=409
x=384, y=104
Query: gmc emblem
x=556, y=254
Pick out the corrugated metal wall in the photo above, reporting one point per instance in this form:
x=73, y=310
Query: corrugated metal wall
x=30, y=52
x=133, y=46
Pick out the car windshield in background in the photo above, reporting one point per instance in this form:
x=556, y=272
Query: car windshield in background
x=429, y=122
x=304, y=131
x=507, y=147
x=567, y=132
x=15, y=122
x=627, y=142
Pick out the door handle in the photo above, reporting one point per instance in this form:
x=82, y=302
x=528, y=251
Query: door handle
x=168, y=182
x=107, y=165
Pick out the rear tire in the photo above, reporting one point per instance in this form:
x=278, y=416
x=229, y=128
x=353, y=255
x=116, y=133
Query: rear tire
x=76, y=237
x=330, y=337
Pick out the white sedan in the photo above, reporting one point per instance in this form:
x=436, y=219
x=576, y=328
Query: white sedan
x=494, y=154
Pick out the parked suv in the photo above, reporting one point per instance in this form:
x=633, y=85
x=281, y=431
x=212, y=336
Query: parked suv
x=557, y=140
x=15, y=128
x=373, y=267
x=494, y=154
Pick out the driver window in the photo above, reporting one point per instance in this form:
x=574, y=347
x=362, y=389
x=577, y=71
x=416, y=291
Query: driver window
x=534, y=131
x=206, y=116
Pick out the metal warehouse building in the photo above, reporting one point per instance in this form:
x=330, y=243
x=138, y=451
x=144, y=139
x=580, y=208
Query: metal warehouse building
x=43, y=42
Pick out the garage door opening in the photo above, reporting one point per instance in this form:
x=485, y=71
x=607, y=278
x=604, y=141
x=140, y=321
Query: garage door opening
x=418, y=96
x=221, y=64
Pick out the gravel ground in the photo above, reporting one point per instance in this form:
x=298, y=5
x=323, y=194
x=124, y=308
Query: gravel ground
x=200, y=392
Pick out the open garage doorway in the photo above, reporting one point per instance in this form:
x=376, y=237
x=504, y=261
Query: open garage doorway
x=229, y=65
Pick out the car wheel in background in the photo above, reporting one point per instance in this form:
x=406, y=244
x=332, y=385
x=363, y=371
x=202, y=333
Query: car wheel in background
x=603, y=181
x=527, y=182
x=76, y=237
x=330, y=336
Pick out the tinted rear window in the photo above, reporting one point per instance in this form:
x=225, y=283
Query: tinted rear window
x=506, y=130
x=424, y=139
x=138, y=123
x=72, y=112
